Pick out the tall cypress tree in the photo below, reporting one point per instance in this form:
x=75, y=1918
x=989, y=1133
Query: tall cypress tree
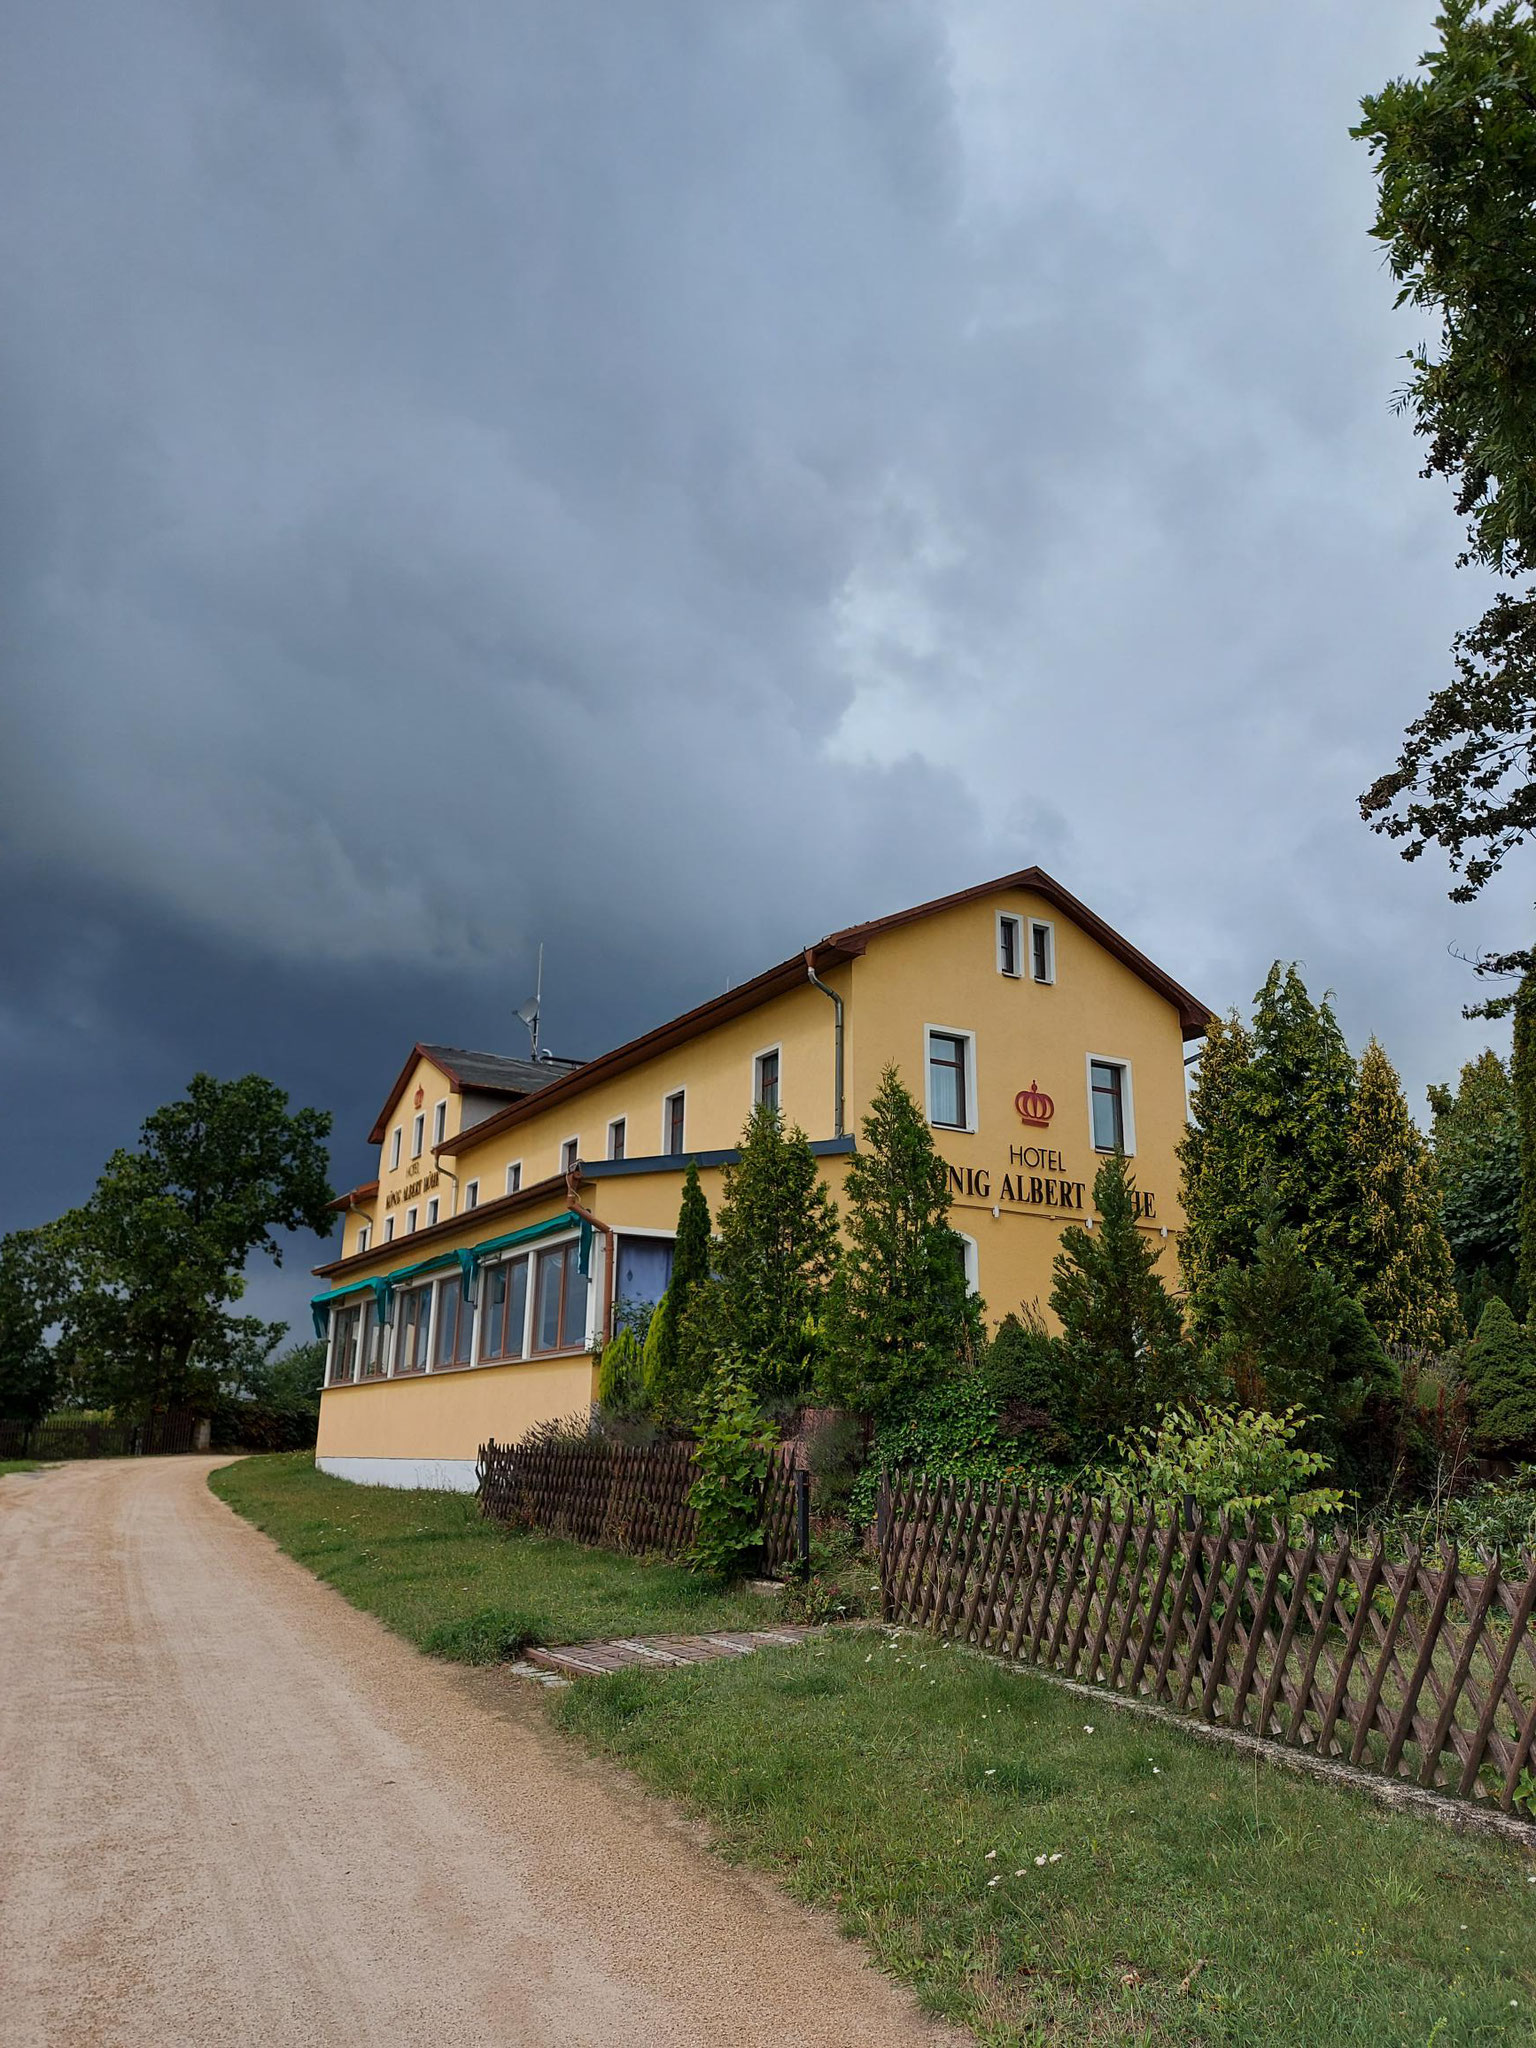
x=1122, y=1337
x=776, y=1255
x=1219, y=1158
x=1301, y=1096
x=1407, y=1278
x=901, y=1313
x=674, y=1380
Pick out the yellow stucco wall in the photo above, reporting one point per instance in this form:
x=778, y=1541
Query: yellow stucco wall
x=450, y=1414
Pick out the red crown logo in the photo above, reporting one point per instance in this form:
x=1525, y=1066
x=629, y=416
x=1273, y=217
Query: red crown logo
x=1034, y=1105
x=421, y=1096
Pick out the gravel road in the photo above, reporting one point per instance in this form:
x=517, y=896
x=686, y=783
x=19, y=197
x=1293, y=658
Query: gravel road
x=233, y=1810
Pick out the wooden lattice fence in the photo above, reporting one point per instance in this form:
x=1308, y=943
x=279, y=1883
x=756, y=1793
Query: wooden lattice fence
x=630, y=1497
x=1422, y=1669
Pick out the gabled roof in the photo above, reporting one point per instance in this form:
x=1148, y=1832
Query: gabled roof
x=355, y=1197
x=834, y=951
x=481, y=1073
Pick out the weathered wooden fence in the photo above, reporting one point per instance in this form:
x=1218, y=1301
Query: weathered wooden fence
x=1420, y=1669
x=631, y=1497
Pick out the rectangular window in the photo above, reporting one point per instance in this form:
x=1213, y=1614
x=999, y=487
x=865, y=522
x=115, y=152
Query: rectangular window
x=344, y=1329
x=432, y=1208
x=503, y=1308
x=1106, y=1087
x=413, y=1322
x=1009, y=959
x=371, y=1343
x=418, y=1129
x=439, y=1122
x=616, y=1136
x=568, y=1153
x=765, y=1079
x=1042, y=952
x=471, y=1194
x=410, y=1221
x=453, y=1325
x=672, y=1124
x=389, y=1228
x=363, y=1235
x=514, y=1176
x=394, y=1148
x=560, y=1301
x=949, y=1088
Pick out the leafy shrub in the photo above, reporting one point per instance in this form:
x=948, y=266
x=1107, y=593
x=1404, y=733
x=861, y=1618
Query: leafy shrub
x=727, y=1494
x=1024, y=1372
x=1498, y=1514
x=1243, y=1460
x=953, y=1429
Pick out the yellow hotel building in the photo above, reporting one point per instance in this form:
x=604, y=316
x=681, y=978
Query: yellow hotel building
x=518, y=1201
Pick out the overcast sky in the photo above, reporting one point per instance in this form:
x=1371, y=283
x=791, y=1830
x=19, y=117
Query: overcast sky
x=672, y=480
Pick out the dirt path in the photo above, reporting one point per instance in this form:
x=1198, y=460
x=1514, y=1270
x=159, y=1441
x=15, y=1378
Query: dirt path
x=233, y=1810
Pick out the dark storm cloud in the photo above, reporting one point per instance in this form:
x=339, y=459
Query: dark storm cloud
x=669, y=481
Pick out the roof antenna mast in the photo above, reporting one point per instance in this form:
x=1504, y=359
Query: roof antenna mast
x=529, y=1012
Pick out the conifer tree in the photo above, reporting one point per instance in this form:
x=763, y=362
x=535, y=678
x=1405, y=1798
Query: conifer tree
x=1500, y=1368
x=1523, y=1079
x=1476, y=1140
x=1407, y=1286
x=775, y=1256
x=674, y=1379
x=901, y=1313
x=1219, y=1156
x=1292, y=1337
x=1122, y=1337
x=1300, y=1096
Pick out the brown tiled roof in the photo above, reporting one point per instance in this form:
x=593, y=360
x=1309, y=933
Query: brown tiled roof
x=483, y=1073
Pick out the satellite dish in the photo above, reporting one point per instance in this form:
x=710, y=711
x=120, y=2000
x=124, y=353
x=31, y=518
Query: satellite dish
x=528, y=1013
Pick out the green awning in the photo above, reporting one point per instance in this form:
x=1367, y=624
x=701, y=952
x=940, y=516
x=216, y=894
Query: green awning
x=466, y=1260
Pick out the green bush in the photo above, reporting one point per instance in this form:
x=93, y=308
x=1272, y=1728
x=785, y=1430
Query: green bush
x=731, y=1464
x=952, y=1429
x=1500, y=1367
x=1244, y=1461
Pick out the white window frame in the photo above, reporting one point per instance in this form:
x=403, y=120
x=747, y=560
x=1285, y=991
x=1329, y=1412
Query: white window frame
x=1043, y=924
x=673, y=1095
x=389, y=1229
x=433, y=1210
x=930, y=1032
x=1127, y=1101
x=507, y=1258
x=364, y=1232
x=971, y=1252
x=621, y=1124
x=439, y=1121
x=410, y=1220
x=515, y=1177
x=395, y=1138
x=397, y=1324
x=572, y=1146
x=418, y=1133
x=1016, y=971
x=768, y=1052
x=471, y=1195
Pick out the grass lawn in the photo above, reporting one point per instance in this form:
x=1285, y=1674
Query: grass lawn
x=914, y=1790
x=20, y=1465
x=457, y=1586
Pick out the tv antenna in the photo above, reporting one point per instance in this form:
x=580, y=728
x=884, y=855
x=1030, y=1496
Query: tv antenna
x=528, y=1013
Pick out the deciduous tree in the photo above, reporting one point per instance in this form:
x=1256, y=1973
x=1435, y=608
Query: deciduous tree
x=1475, y=1137
x=1455, y=155
x=28, y=1370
